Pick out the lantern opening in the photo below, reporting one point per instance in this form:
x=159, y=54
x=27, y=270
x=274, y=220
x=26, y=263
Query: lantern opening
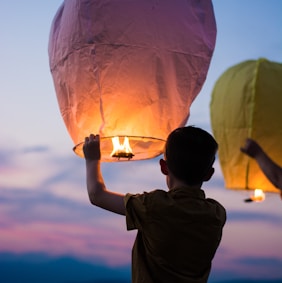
x=258, y=196
x=121, y=150
x=140, y=148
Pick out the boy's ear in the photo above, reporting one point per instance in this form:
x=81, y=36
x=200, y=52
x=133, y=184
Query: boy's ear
x=209, y=174
x=163, y=167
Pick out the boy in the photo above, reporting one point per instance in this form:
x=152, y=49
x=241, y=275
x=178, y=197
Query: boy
x=179, y=230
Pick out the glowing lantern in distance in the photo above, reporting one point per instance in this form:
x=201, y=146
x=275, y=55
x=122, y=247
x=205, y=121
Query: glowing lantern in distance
x=246, y=102
x=258, y=196
x=129, y=68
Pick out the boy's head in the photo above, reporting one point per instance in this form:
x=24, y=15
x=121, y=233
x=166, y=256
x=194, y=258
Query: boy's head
x=190, y=153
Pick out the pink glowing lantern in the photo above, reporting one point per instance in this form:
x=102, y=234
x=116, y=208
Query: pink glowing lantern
x=129, y=69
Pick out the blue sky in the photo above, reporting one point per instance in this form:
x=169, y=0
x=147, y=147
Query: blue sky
x=44, y=210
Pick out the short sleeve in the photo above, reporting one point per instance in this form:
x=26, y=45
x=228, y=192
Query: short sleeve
x=135, y=210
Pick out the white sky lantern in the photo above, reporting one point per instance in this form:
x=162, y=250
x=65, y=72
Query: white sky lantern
x=129, y=69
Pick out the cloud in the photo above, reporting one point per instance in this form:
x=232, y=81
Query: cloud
x=42, y=168
x=250, y=216
x=232, y=268
x=18, y=166
x=6, y=159
x=259, y=267
x=134, y=176
x=36, y=149
x=265, y=262
x=36, y=221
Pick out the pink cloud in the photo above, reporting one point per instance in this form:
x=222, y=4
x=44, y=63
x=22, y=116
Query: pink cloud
x=78, y=240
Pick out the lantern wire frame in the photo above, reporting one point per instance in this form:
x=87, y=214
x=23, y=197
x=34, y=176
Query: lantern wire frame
x=142, y=148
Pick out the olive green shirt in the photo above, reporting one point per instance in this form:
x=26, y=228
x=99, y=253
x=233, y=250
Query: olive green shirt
x=179, y=232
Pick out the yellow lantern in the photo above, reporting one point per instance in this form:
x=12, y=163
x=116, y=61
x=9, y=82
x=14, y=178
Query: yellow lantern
x=129, y=70
x=246, y=102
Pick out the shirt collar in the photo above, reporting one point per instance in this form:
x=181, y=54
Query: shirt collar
x=188, y=192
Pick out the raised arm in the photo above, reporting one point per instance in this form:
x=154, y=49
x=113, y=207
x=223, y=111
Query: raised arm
x=97, y=191
x=271, y=170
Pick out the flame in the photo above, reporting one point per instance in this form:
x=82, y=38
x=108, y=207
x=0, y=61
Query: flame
x=258, y=195
x=121, y=150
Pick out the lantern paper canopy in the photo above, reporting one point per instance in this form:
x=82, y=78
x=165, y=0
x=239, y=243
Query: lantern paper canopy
x=129, y=68
x=246, y=103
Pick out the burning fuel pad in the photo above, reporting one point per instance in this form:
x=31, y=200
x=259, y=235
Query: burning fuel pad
x=129, y=69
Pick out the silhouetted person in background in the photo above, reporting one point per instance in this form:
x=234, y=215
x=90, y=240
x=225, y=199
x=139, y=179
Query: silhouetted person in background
x=271, y=170
x=179, y=230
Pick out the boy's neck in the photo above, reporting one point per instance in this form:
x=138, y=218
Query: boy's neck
x=174, y=183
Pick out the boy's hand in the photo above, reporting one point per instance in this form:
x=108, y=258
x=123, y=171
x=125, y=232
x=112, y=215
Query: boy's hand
x=91, y=147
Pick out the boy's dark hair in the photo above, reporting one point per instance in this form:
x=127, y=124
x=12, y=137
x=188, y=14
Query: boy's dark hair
x=190, y=153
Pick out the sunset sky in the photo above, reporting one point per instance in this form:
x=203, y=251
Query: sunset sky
x=46, y=220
